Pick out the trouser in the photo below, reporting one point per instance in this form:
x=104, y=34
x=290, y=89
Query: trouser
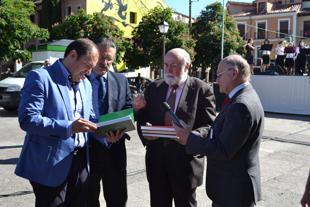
x=72, y=193
x=108, y=166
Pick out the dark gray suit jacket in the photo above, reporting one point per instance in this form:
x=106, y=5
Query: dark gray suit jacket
x=196, y=108
x=233, y=171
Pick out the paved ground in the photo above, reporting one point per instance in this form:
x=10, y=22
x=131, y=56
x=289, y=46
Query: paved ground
x=284, y=155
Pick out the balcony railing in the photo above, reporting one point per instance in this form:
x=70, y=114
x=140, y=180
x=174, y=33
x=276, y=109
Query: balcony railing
x=283, y=34
x=304, y=33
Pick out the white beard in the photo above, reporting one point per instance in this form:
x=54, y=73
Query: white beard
x=171, y=79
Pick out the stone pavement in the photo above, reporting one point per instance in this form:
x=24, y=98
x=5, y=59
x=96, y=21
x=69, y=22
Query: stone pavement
x=284, y=155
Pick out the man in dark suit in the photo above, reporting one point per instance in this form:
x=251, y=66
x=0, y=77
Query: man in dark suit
x=232, y=144
x=54, y=108
x=173, y=174
x=108, y=163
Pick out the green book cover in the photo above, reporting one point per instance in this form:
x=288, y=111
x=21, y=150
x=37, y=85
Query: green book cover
x=117, y=114
x=123, y=119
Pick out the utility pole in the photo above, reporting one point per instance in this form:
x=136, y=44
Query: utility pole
x=223, y=30
x=190, y=17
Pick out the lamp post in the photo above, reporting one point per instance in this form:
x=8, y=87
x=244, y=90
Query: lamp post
x=163, y=29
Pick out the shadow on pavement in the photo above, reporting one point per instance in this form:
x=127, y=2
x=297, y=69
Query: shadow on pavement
x=10, y=147
x=287, y=116
x=11, y=161
x=4, y=113
x=19, y=193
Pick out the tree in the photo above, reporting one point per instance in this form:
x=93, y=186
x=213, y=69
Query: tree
x=207, y=31
x=93, y=26
x=146, y=44
x=16, y=29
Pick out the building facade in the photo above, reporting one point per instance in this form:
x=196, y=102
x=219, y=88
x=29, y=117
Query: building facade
x=274, y=20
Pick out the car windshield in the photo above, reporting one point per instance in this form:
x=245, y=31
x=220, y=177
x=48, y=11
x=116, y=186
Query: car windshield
x=22, y=73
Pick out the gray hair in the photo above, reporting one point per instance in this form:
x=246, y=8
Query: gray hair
x=240, y=63
x=106, y=43
x=182, y=55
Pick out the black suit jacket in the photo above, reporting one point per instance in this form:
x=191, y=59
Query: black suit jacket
x=233, y=171
x=196, y=108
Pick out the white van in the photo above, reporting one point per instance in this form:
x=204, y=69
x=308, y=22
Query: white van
x=10, y=87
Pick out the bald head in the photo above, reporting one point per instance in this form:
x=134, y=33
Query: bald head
x=239, y=63
x=177, y=63
x=181, y=54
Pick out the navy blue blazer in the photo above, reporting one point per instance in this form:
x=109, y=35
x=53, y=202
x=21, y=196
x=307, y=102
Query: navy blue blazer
x=45, y=115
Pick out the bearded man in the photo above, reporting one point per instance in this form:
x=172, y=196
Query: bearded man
x=172, y=174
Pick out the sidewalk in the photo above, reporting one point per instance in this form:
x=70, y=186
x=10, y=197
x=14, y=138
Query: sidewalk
x=284, y=156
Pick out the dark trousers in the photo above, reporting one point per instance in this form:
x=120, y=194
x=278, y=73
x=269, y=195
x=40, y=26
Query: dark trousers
x=245, y=205
x=72, y=193
x=168, y=172
x=108, y=165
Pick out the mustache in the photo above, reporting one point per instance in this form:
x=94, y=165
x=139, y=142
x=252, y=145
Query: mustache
x=102, y=65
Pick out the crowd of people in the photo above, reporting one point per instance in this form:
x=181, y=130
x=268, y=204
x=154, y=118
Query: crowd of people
x=66, y=162
x=289, y=59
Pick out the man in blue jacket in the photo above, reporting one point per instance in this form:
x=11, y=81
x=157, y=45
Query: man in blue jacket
x=108, y=162
x=55, y=106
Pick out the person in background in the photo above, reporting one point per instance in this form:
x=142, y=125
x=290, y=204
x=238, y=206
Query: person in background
x=172, y=174
x=289, y=60
x=305, y=201
x=46, y=63
x=266, y=55
x=108, y=160
x=280, y=57
x=232, y=144
x=301, y=59
x=249, y=55
x=54, y=110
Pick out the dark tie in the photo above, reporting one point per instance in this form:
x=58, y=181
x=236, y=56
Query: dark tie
x=102, y=95
x=225, y=102
x=171, y=102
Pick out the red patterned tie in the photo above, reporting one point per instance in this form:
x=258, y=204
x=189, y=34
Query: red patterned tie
x=171, y=102
x=225, y=102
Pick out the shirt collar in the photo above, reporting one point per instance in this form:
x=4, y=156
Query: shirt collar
x=237, y=88
x=64, y=70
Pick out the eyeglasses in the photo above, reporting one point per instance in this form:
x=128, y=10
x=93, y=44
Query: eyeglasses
x=219, y=75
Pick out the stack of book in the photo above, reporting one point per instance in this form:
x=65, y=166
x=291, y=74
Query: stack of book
x=120, y=120
x=159, y=131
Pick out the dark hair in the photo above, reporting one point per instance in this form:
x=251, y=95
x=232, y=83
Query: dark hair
x=266, y=40
x=106, y=43
x=82, y=46
x=249, y=40
x=280, y=42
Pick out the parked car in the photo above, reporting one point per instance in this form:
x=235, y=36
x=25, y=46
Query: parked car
x=10, y=87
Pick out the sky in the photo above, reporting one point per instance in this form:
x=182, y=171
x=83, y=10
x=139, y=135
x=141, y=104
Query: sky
x=197, y=5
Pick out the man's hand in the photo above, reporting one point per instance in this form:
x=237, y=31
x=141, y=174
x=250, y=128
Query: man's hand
x=83, y=125
x=182, y=133
x=138, y=101
x=113, y=137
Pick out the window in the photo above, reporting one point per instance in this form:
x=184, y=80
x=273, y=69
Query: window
x=133, y=17
x=241, y=28
x=306, y=28
x=261, y=30
x=283, y=28
x=262, y=8
x=68, y=10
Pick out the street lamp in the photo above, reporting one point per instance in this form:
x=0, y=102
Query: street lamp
x=163, y=29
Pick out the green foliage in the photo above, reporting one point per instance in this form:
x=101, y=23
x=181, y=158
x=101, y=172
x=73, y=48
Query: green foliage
x=95, y=26
x=146, y=43
x=207, y=31
x=16, y=29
